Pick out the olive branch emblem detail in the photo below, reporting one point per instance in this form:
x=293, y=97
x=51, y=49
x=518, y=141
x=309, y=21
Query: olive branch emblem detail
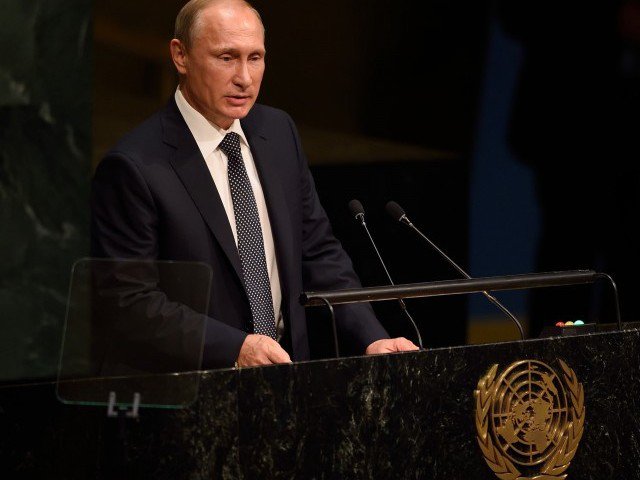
x=528, y=416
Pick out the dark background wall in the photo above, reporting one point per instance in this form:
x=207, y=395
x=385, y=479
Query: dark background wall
x=555, y=171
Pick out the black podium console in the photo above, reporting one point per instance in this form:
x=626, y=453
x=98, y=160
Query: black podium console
x=540, y=409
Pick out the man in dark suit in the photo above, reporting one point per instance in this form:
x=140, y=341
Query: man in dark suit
x=217, y=179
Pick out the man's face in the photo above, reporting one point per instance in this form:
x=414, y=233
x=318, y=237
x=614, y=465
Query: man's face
x=222, y=70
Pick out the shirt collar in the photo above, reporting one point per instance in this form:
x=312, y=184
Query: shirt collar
x=206, y=134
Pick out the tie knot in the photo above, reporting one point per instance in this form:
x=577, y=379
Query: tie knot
x=230, y=145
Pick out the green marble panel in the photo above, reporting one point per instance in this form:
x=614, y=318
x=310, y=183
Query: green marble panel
x=45, y=138
x=398, y=416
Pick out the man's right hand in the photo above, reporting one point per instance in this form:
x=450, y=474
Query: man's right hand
x=261, y=350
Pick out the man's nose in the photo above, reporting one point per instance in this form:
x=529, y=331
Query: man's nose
x=242, y=76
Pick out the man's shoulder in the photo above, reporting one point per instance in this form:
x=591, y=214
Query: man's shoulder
x=261, y=110
x=267, y=117
x=148, y=139
x=143, y=140
x=156, y=137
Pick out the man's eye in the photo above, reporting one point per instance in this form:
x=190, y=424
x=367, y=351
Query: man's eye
x=225, y=58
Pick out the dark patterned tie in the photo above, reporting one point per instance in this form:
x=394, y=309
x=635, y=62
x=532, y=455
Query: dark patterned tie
x=250, y=241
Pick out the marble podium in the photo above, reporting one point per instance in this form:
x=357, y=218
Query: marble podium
x=410, y=415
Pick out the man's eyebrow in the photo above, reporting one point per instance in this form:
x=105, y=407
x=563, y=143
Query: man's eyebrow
x=225, y=49
x=235, y=51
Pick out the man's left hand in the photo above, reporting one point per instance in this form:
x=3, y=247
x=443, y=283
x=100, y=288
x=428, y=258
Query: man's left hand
x=390, y=345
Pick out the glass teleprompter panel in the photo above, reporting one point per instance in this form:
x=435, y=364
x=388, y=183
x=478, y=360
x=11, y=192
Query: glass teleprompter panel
x=134, y=327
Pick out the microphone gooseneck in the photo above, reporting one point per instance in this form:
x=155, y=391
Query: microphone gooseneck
x=357, y=210
x=398, y=214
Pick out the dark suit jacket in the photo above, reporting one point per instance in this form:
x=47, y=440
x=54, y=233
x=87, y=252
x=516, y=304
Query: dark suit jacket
x=153, y=197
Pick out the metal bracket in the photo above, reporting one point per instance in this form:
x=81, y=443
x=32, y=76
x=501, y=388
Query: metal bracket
x=113, y=411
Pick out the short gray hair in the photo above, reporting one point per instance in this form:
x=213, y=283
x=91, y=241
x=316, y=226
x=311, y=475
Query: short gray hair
x=187, y=19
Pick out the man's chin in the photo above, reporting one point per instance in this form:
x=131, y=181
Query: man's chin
x=239, y=112
x=226, y=116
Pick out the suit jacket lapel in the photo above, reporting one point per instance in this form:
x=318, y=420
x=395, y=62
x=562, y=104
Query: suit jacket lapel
x=194, y=174
x=266, y=163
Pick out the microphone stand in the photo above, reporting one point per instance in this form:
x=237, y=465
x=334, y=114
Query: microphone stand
x=398, y=214
x=488, y=296
x=358, y=211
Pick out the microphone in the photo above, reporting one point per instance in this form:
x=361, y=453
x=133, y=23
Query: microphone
x=397, y=213
x=357, y=210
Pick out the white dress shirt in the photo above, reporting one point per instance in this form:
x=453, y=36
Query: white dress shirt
x=208, y=137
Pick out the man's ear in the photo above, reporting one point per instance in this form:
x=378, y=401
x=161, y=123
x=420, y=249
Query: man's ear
x=179, y=55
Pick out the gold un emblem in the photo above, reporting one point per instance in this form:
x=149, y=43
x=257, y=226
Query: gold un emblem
x=529, y=418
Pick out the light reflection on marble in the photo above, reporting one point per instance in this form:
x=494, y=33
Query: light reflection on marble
x=45, y=112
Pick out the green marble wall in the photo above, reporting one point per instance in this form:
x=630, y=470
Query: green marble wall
x=45, y=129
